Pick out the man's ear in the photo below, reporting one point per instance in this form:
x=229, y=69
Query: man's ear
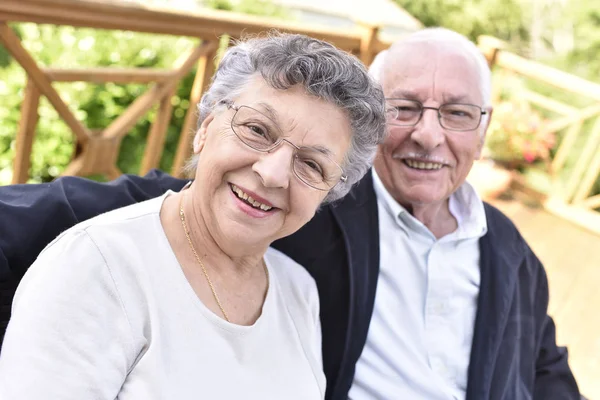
x=201, y=134
x=483, y=132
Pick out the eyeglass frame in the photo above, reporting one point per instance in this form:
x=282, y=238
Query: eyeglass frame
x=231, y=106
x=439, y=114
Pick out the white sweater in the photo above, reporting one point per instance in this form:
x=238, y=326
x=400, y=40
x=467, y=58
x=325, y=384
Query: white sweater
x=106, y=313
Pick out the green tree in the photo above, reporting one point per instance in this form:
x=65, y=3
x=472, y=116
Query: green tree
x=505, y=19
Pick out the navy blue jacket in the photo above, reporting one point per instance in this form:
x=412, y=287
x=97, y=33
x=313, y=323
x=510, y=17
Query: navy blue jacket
x=514, y=354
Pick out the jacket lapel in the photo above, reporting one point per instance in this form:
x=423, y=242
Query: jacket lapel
x=356, y=215
x=499, y=271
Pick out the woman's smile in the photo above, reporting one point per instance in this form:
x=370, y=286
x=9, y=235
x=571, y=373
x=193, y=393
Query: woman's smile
x=251, y=203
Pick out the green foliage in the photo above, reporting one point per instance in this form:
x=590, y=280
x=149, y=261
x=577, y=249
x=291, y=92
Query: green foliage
x=583, y=60
x=96, y=106
x=505, y=19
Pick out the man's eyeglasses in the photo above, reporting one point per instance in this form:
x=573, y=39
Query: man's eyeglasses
x=313, y=166
x=452, y=116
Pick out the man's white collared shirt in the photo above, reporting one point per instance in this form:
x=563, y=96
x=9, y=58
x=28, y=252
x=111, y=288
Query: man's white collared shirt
x=420, y=335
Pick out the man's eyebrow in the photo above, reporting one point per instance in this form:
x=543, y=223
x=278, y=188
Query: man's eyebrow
x=457, y=98
x=403, y=94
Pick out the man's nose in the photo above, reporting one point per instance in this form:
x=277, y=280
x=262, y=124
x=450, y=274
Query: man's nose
x=275, y=167
x=428, y=133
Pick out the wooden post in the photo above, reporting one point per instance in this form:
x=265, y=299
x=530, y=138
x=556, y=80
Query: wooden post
x=367, y=43
x=26, y=133
x=583, y=161
x=142, y=104
x=157, y=135
x=14, y=47
x=490, y=47
x=204, y=72
x=108, y=74
x=592, y=202
x=565, y=147
x=591, y=175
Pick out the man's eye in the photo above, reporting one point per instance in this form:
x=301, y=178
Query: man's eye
x=406, y=109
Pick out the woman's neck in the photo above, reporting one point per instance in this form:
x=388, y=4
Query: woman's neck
x=240, y=281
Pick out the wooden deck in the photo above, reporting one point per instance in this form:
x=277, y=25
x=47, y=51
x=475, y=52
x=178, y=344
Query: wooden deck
x=571, y=256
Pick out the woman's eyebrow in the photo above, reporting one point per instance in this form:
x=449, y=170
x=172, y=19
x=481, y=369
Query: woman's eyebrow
x=320, y=149
x=269, y=111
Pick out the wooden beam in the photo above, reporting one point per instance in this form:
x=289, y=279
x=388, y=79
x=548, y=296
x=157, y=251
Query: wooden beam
x=142, y=104
x=490, y=47
x=104, y=75
x=583, y=161
x=549, y=75
x=75, y=167
x=565, y=147
x=204, y=72
x=206, y=24
x=157, y=135
x=26, y=133
x=578, y=215
x=113, y=172
x=16, y=50
x=563, y=122
x=591, y=202
x=592, y=174
x=367, y=44
x=547, y=103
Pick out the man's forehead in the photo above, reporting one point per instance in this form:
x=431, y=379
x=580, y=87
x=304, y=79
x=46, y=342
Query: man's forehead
x=413, y=68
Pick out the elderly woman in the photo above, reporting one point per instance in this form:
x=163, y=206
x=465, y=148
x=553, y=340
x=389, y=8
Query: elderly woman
x=181, y=297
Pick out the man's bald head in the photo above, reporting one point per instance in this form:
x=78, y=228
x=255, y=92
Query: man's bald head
x=436, y=40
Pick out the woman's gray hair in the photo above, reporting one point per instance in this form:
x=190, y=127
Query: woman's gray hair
x=286, y=60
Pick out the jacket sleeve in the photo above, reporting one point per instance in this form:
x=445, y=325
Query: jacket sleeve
x=31, y=216
x=553, y=377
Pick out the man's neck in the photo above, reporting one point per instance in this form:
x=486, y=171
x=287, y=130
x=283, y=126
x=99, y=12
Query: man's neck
x=436, y=217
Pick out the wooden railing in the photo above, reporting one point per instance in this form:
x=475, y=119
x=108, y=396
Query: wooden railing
x=571, y=196
x=97, y=151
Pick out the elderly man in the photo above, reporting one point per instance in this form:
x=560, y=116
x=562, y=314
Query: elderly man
x=426, y=292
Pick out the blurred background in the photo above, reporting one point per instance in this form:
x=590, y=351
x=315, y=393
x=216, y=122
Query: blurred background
x=107, y=66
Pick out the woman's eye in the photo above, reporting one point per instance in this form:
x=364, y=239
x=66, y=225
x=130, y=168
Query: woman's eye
x=257, y=130
x=313, y=165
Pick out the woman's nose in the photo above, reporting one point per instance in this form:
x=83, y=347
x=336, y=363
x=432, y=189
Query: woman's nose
x=275, y=167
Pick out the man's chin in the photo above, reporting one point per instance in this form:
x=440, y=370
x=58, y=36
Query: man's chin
x=423, y=197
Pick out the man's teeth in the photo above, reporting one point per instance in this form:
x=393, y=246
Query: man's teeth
x=423, y=165
x=248, y=199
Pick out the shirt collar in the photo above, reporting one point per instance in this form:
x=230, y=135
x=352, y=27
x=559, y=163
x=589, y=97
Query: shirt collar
x=465, y=205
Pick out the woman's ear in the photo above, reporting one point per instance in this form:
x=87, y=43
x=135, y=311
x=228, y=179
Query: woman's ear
x=201, y=134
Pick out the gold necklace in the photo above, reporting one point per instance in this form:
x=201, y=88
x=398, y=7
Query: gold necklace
x=212, y=287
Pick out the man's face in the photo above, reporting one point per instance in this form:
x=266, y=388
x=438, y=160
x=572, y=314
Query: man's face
x=424, y=164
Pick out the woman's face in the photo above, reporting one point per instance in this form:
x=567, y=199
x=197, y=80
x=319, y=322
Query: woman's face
x=229, y=171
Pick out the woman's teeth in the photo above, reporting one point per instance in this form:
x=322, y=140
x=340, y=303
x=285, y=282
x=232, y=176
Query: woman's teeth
x=423, y=165
x=248, y=199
